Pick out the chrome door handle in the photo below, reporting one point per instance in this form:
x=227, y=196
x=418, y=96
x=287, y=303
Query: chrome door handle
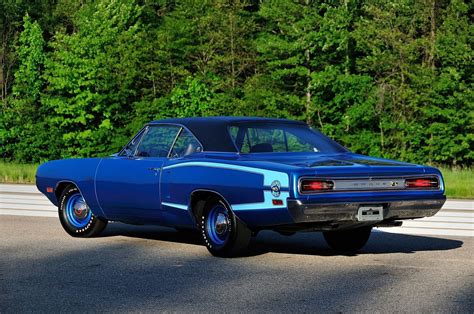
x=155, y=170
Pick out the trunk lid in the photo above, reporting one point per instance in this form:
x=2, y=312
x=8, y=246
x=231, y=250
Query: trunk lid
x=341, y=165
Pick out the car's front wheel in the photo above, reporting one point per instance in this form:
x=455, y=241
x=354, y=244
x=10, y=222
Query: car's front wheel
x=348, y=240
x=76, y=217
x=222, y=232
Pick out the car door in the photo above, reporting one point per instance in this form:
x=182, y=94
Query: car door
x=174, y=197
x=127, y=185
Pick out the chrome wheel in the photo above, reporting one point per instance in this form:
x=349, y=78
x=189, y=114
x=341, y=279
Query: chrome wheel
x=218, y=226
x=75, y=215
x=77, y=211
x=222, y=232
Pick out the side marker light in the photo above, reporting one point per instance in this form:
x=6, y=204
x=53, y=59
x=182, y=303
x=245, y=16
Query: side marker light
x=277, y=202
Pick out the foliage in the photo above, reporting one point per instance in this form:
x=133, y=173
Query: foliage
x=23, y=116
x=459, y=182
x=17, y=173
x=386, y=78
x=91, y=76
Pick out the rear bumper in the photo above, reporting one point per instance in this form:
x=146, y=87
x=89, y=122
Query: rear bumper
x=302, y=212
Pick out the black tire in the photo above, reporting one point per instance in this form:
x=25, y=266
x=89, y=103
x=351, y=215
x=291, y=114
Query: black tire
x=81, y=223
x=235, y=236
x=348, y=240
x=185, y=230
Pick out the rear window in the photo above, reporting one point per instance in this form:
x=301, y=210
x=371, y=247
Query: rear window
x=281, y=138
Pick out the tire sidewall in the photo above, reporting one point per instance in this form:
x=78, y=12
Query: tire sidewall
x=72, y=230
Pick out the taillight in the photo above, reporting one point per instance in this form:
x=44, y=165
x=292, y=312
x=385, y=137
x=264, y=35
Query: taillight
x=422, y=183
x=312, y=185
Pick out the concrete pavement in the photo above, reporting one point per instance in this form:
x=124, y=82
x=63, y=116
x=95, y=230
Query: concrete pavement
x=149, y=269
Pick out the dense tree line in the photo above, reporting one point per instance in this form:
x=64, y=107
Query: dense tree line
x=387, y=78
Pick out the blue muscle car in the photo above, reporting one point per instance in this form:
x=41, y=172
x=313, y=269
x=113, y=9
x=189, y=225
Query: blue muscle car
x=231, y=177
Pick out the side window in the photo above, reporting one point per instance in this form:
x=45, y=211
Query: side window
x=264, y=140
x=131, y=147
x=297, y=145
x=157, y=141
x=269, y=139
x=186, y=144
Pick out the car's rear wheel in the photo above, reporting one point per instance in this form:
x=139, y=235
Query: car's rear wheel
x=222, y=232
x=348, y=240
x=76, y=217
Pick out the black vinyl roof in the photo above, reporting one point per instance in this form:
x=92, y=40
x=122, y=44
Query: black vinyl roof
x=213, y=132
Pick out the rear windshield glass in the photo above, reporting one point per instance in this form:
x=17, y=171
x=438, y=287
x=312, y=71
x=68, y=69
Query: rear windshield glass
x=280, y=138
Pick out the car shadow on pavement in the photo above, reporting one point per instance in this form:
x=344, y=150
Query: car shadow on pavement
x=379, y=243
x=151, y=232
x=301, y=243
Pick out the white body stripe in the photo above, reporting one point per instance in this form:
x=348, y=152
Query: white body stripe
x=267, y=202
x=268, y=175
x=185, y=207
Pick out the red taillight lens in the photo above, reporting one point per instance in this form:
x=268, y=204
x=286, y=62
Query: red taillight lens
x=308, y=186
x=422, y=183
x=277, y=202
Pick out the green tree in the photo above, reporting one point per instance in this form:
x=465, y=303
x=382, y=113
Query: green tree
x=307, y=50
x=449, y=109
x=289, y=56
x=93, y=76
x=386, y=78
x=192, y=99
x=12, y=13
x=22, y=132
x=423, y=95
x=28, y=81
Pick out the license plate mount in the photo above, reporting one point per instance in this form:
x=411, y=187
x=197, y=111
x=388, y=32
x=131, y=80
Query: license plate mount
x=370, y=213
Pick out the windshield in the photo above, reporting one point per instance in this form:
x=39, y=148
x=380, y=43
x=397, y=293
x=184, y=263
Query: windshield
x=281, y=138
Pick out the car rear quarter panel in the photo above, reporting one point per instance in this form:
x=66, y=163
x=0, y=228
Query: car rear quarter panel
x=244, y=185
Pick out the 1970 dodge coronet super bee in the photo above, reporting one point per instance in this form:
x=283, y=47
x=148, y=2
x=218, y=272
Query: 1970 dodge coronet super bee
x=230, y=177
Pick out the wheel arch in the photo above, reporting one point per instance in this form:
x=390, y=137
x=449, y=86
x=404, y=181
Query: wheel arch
x=61, y=187
x=198, y=200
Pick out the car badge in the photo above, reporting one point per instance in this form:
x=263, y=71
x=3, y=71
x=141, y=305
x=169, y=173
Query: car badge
x=275, y=187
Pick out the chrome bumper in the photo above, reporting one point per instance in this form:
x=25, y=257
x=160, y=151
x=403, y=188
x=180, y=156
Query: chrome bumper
x=347, y=212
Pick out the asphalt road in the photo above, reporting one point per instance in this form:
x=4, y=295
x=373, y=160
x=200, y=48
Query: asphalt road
x=151, y=269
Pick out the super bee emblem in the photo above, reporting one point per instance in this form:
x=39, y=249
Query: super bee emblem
x=275, y=187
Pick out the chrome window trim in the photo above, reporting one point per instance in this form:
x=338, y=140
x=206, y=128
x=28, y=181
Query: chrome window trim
x=181, y=126
x=174, y=142
x=145, y=129
x=139, y=134
x=235, y=124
